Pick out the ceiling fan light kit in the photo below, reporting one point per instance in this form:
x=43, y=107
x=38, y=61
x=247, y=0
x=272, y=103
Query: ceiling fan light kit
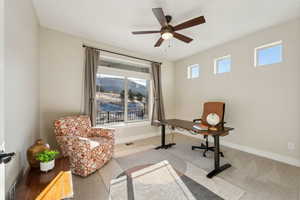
x=167, y=35
x=168, y=31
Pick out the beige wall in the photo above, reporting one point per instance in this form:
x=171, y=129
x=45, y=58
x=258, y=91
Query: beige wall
x=2, y=173
x=62, y=60
x=263, y=103
x=1, y=71
x=21, y=82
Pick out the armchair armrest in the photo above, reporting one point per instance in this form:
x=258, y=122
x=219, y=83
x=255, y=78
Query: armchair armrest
x=102, y=132
x=74, y=146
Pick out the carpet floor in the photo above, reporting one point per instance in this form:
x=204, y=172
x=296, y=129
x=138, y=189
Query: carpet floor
x=250, y=178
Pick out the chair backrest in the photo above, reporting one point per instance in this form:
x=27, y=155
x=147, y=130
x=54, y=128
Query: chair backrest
x=78, y=125
x=213, y=107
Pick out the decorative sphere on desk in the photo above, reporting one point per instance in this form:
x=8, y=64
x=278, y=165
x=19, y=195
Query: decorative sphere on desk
x=213, y=119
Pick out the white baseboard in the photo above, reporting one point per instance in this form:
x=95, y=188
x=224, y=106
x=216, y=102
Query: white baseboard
x=251, y=150
x=136, y=137
x=266, y=154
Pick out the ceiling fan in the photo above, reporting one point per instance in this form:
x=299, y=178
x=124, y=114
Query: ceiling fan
x=168, y=31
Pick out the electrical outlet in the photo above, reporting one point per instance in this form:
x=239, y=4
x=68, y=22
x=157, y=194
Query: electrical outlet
x=291, y=146
x=2, y=146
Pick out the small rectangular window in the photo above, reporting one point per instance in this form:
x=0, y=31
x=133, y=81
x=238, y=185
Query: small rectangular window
x=222, y=64
x=268, y=54
x=193, y=71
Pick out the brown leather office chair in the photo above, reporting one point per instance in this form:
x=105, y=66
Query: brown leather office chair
x=210, y=107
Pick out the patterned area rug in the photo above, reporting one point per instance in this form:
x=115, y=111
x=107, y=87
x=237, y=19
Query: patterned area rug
x=194, y=175
x=155, y=182
x=162, y=180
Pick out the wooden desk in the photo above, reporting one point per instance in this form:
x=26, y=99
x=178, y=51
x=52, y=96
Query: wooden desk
x=35, y=181
x=188, y=125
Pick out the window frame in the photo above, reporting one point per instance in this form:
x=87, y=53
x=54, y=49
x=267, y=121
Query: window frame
x=216, y=61
x=129, y=74
x=189, y=71
x=266, y=46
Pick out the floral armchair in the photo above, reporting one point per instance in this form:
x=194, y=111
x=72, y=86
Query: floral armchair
x=87, y=148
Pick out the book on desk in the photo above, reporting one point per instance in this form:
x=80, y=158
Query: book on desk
x=200, y=127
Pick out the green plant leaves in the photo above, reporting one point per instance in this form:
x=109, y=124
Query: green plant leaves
x=47, y=155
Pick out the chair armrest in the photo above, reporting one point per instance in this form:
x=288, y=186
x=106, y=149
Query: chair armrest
x=197, y=120
x=221, y=124
x=102, y=132
x=74, y=146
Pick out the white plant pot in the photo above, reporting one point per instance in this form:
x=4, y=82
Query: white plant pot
x=47, y=166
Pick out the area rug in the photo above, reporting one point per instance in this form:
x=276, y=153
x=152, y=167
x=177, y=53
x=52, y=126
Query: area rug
x=155, y=182
x=184, y=163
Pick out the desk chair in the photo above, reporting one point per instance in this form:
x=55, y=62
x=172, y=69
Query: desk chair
x=210, y=107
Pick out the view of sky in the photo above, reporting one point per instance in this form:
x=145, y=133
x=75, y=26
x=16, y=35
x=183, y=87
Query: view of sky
x=195, y=72
x=109, y=76
x=224, y=65
x=136, y=80
x=270, y=55
x=139, y=81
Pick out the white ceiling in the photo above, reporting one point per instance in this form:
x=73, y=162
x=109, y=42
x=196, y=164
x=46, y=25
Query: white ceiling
x=111, y=21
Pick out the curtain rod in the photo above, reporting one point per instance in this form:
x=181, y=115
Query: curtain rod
x=120, y=54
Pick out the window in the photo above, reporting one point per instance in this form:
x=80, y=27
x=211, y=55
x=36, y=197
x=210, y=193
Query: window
x=110, y=98
x=193, y=71
x=122, y=94
x=138, y=99
x=268, y=54
x=222, y=65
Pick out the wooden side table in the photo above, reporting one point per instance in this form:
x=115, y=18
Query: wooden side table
x=34, y=181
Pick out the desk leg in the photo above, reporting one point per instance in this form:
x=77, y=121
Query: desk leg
x=163, y=139
x=218, y=169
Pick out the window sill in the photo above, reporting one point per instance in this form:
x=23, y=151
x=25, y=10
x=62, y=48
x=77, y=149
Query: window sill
x=125, y=125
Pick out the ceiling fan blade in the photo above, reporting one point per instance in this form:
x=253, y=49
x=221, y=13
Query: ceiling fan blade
x=144, y=32
x=182, y=37
x=158, y=43
x=160, y=16
x=190, y=23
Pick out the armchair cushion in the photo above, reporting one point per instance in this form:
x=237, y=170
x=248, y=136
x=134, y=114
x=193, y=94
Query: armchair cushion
x=99, y=140
x=93, y=143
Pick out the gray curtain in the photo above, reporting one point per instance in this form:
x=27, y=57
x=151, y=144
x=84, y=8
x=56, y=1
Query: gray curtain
x=158, y=113
x=91, y=60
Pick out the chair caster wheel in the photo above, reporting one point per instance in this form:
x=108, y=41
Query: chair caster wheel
x=222, y=155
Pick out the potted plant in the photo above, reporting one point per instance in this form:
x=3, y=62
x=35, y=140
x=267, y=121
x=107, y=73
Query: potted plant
x=47, y=159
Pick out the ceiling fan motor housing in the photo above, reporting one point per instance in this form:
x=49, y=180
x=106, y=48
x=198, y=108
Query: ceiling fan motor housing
x=166, y=29
x=168, y=18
